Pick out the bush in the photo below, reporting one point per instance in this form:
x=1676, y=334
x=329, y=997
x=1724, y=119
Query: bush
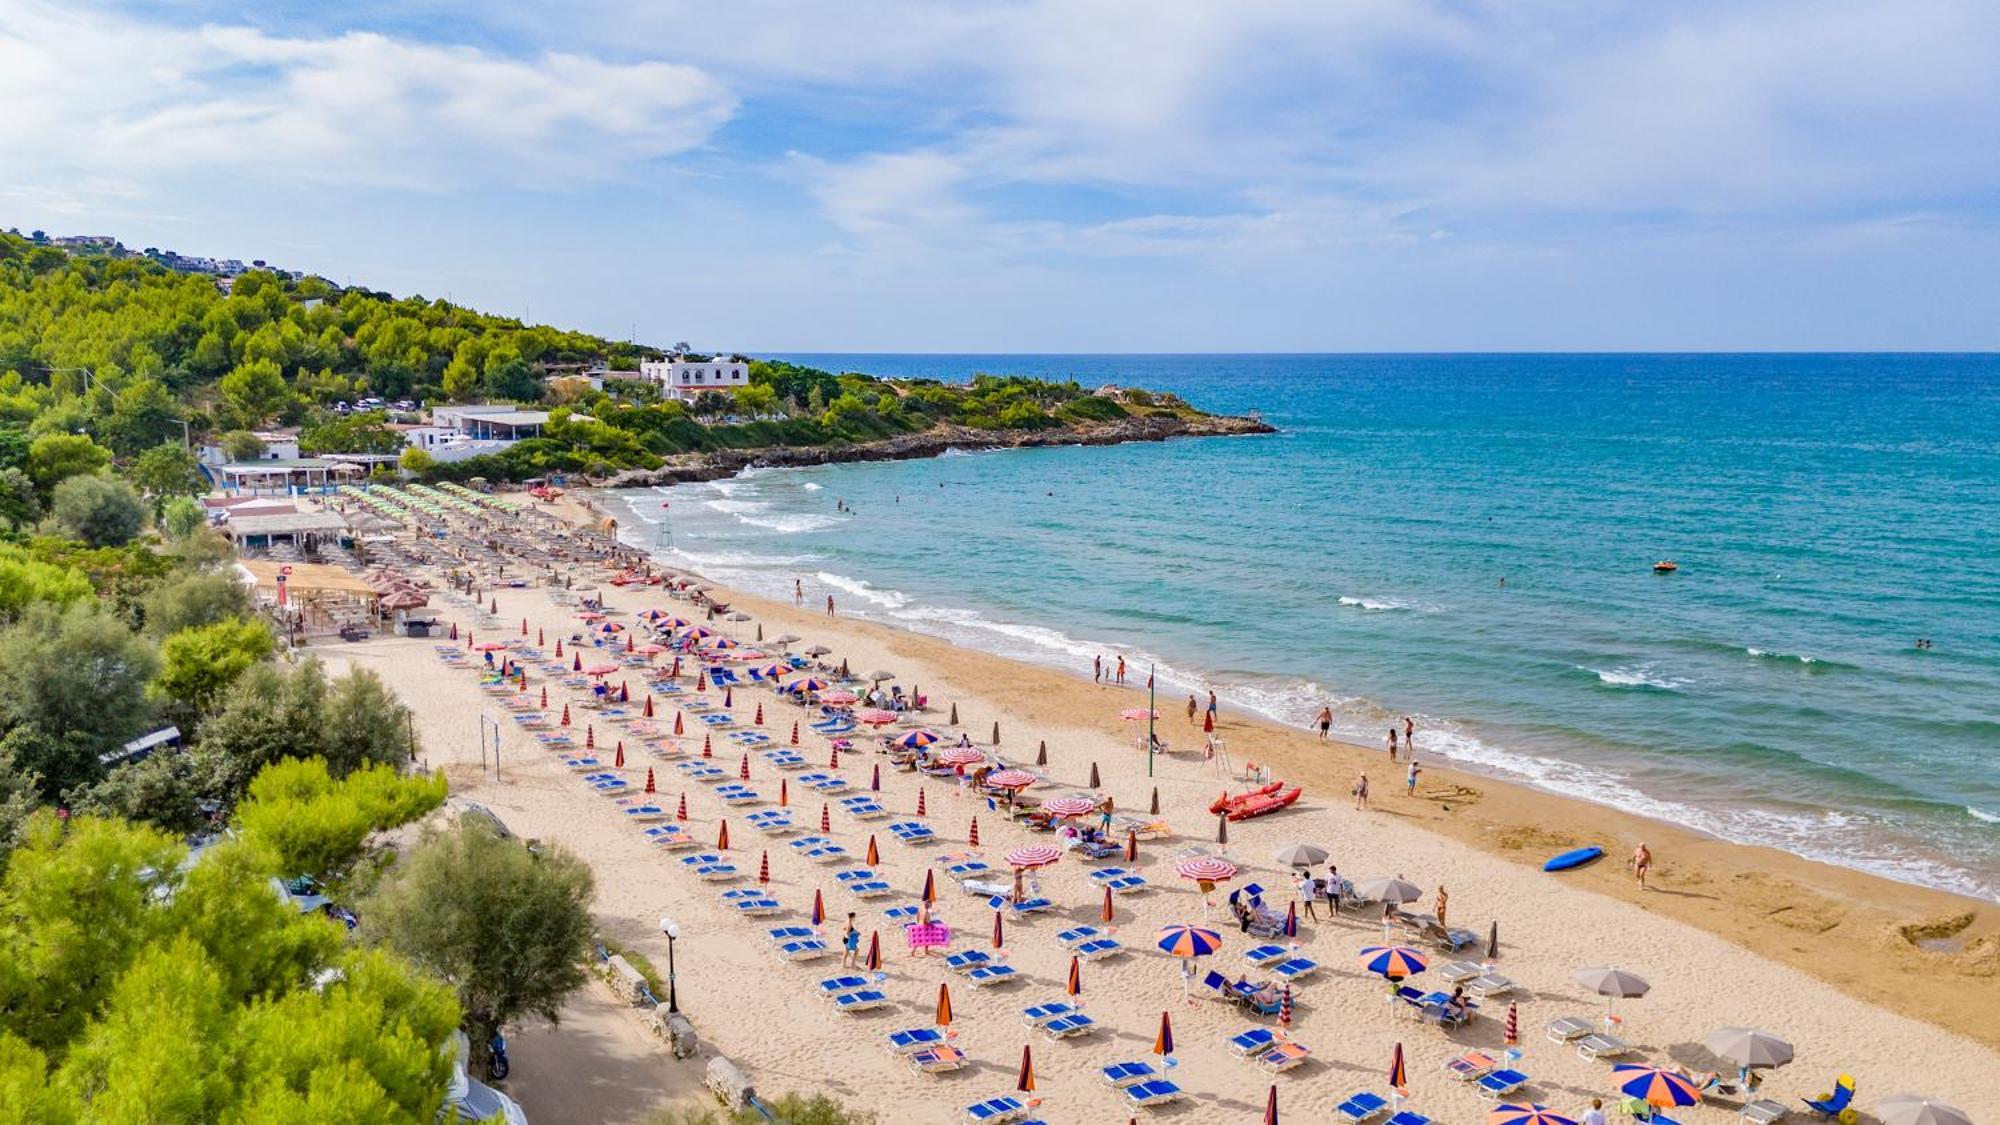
x=101, y=511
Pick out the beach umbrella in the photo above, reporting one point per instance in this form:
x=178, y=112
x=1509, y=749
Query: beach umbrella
x=545, y=697
x=1386, y=888
x=996, y=732
x=728, y=698
x=1068, y=806
x=649, y=706
x=875, y=951
x=743, y=768
x=701, y=680
x=1032, y=856
x=1300, y=855
x=624, y=692
x=1493, y=941
x=723, y=644
x=818, y=650
x=649, y=779
x=916, y=739
x=944, y=1004
x=454, y=632
x=1748, y=1047
x=795, y=732
x=1222, y=828
x=618, y=757
x=833, y=757
x=1188, y=941
x=650, y=649
x=1074, y=987
x=1512, y=1035
x=1399, y=1075
x=972, y=834
x=1654, y=1085
x=565, y=715
x=1156, y=800
x=628, y=642
x=1292, y=919
x=490, y=646
x=679, y=728
x=784, y=793
x=1612, y=984
x=1526, y=1115
x=1011, y=779
x=875, y=779
x=494, y=607
x=876, y=717
x=1094, y=782
x=707, y=746
x=1271, y=1106
x=722, y=837
x=874, y=856
x=1107, y=913
x=819, y=908
x=682, y=812
x=920, y=801
x=590, y=736
x=1915, y=1109
x=759, y=719
x=959, y=756
x=879, y=676
x=1208, y=723
x=1285, y=1008
x=576, y=662
x=837, y=698
x=674, y=673
x=1163, y=1043
x=1206, y=869
x=541, y=638
x=786, y=639
x=929, y=894
x=1132, y=845
x=825, y=817
x=1394, y=961
x=764, y=867
x=808, y=683
x=998, y=930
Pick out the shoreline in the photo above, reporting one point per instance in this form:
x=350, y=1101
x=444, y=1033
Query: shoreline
x=1814, y=916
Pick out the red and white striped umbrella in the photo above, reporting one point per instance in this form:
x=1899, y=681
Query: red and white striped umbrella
x=1069, y=806
x=838, y=698
x=1010, y=779
x=1034, y=855
x=877, y=718
x=1206, y=869
x=959, y=755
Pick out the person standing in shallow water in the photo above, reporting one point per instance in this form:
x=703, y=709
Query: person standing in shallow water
x=1325, y=722
x=829, y=605
x=1392, y=743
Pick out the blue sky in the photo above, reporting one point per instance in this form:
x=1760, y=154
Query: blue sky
x=1100, y=175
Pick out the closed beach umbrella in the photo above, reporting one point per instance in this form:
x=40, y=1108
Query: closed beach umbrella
x=999, y=931
x=1163, y=1043
x=819, y=908
x=1132, y=845
x=1189, y=941
x=1300, y=855
x=1026, y=1082
x=708, y=746
x=565, y=715
x=545, y=697
x=1075, y=985
x=1094, y=782
x=679, y=728
x=972, y=834
x=682, y=812
x=1271, y=1106
x=722, y=837
x=1394, y=962
x=1512, y=1035
x=1285, y=1008
x=1399, y=1075
x=576, y=662
x=590, y=737
x=920, y=801
x=648, y=712
x=1915, y=1109
x=1526, y=1115
x=784, y=793
x=874, y=856
x=1387, y=888
x=875, y=779
x=930, y=884
x=649, y=779
x=1222, y=828
x=944, y=1005
x=743, y=768
x=728, y=697
x=1292, y=919
x=1042, y=754
x=1107, y=914
x=1654, y=1085
x=825, y=817
x=1748, y=1047
x=795, y=729
x=618, y=756
x=764, y=867
x=875, y=951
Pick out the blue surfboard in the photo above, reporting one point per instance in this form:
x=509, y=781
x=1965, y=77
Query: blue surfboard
x=1574, y=858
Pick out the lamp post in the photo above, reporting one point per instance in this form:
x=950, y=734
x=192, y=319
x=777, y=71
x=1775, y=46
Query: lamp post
x=672, y=929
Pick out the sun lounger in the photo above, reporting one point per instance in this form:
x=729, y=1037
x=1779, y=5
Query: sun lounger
x=968, y=869
x=1489, y=985
x=1500, y=1083
x=901, y=913
x=1601, y=1046
x=866, y=810
x=992, y=1111
x=937, y=1060
x=1102, y=947
x=773, y=821
x=1471, y=1066
x=1361, y=1106
x=1120, y=1075
x=1152, y=1092
x=1295, y=969
x=1129, y=884
x=784, y=934
x=915, y=1039
x=1064, y=1027
x=1283, y=1057
x=1252, y=1042
x=642, y=814
x=669, y=836
x=805, y=950
x=1408, y=1117
x=860, y=1001
x=993, y=974
x=1026, y=906
x=756, y=907
x=874, y=889
x=1570, y=1028
x=1265, y=955
x=854, y=875
x=1458, y=972
x=1079, y=934
x=834, y=986
x=1764, y=1111
x=1043, y=1013
x=966, y=960
x=981, y=887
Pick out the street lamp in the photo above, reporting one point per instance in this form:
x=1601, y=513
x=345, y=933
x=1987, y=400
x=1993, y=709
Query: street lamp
x=672, y=929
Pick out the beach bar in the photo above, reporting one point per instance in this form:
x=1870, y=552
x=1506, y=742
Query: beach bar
x=310, y=598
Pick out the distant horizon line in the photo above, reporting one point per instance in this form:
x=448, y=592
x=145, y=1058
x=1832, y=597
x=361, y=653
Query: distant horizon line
x=1982, y=353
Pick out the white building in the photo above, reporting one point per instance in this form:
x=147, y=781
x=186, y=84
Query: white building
x=459, y=432
x=685, y=379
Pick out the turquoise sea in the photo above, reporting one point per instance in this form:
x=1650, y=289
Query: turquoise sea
x=1826, y=512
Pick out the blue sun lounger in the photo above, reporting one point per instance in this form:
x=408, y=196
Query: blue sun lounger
x=992, y=1111
x=1362, y=1106
x=1295, y=969
x=757, y=907
x=915, y=1039
x=834, y=986
x=1500, y=1083
x=993, y=974
x=790, y=933
x=859, y=1001
x=1265, y=955
x=1120, y=1075
x=1063, y=1027
x=855, y=875
x=967, y=960
x=1254, y=1041
x=1101, y=947
x=1079, y=934
x=774, y=821
x=805, y=950
x=1043, y=1013
x=1409, y=1117
x=1152, y=1092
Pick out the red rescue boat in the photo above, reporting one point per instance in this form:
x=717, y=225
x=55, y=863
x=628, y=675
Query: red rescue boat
x=1257, y=802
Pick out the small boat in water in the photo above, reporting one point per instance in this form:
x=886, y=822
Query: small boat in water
x=1665, y=566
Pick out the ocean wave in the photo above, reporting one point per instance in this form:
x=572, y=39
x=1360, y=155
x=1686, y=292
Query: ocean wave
x=739, y=558
x=812, y=486
x=737, y=507
x=887, y=599
x=759, y=513
x=1982, y=815
x=1813, y=663
x=1386, y=604
x=1636, y=676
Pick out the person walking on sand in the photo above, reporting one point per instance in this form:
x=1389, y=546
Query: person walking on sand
x=850, y=944
x=1443, y=900
x=829, y=605
x=1211, y=703
x=1410, y=783
x=1191, y=707
x=798, y=592
x=1640, y=863
x=1392, y=743
x=1308, y=894
x=1325, y=722
x=1361, y=793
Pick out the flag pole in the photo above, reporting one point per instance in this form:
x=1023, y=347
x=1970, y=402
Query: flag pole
x=1152, y=713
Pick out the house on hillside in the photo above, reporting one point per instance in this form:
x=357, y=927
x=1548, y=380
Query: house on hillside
x=686, y=378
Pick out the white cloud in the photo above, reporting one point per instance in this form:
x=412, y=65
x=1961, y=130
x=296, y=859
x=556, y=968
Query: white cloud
x=95, y=94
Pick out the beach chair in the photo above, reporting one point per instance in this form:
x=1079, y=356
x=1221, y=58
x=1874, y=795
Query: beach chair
x=1043, y=1013
x=669, y=836
x=1026, y=906
x=1283, y=1057
x=1265, y=955
x=993, y=974
x=967, y=960
x=1128, y=884
x=776, y=822
x=643, y=814
x=1598, y=1045
x=1471, y=1066
x=993, y=1111
x=860, y=1001
x=1500, y=1083
x=1836, y=1103
x=901, y=913
x=937, y=1060
x=1361, y=1106
x=915, y=1039
x=1065, y=1027
x=1120, y=1075
x=981, y=887
x=1570, y=1028
x=1763, y=1111
x=968, y=869
x=1408, y=1117
x=1151, y=1093
x=805, y=950
x=739, y=796
x=611, y=787
x=716, y=872
x=1295, y=969
x=1488, y=985
x=783, y=934
x=1451, y=940
x=756, y=907
x=874, y=888
x=834, y=986
x=1079, y=935
x=1102, y=947
x=1255, y=1041
x=854, y=875
x=1458, y=972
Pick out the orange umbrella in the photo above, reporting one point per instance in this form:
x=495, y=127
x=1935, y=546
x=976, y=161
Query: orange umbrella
x=678, y=728
x=930, y=884
x=944, y=1005
x=722, y=839
x=1163, y=1043
x=1399, y=1077
x=819, y=908
x=1075, y=986
x=1107, y=904
x=784, y=794
x=874, y=856
x=649, y=705
x=1026, y=1082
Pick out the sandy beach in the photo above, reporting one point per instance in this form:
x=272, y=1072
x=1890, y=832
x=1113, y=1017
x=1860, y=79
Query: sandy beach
x=1726, y=935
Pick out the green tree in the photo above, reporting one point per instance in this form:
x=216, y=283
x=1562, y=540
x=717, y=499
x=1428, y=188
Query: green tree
x=191, y=600
x=415, y=460
x=158, y=790
x=508, y=376
x=256, y=389
x=363, y=723
x=268, y=715
x=506, y=927
x=144, y=415
x=242, y=445
x=20, y=794
x=54, y=458
x=463, y=379
x=315, y=825
x=100, y=511
x=198, y=664
x=166, y=471
x=755, y=400
x=181, y=518
x=79, y=676
x=20, y=505
x=25, y=580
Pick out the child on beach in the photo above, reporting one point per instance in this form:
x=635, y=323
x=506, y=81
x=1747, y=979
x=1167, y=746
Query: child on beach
x=1411, y=789
x=1361, y=792
x=850, y=944
x=1392, y=743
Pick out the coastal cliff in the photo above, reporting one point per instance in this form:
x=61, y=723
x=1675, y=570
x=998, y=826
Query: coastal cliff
x=721, y=464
